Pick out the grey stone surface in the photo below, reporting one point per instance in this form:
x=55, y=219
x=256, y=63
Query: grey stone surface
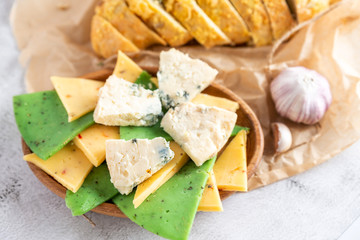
x=318, y=204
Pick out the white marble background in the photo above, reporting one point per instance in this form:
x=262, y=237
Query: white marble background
x=318, y=204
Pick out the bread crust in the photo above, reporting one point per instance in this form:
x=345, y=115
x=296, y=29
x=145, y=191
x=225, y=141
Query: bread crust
x=106, y=40
x=194, y=19
x=255, y=16
x=128, y=24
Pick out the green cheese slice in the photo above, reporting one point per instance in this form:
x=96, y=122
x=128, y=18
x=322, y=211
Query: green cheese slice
x=170, y=211
x=237, y=129
x=95, y=190
x=144, y=80
x=129, y=132
x=43, y=122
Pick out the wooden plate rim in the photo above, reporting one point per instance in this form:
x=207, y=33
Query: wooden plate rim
x=111, y=209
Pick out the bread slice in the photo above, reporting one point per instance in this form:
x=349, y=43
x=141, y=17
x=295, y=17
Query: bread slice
x=154, y=15
x=224, y=15
x=256, y=17
x=128, y=24
x=280, y=16
x=106, y=40
x=307, y=9
x=194, y=19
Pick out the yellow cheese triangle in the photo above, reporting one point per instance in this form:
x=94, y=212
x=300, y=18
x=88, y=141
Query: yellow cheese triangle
x=92, y=142
x=79, y=96
x=69, y=166
x=126, y=68
x=212, y=101
x=106, y=40
x=150, y=185
x=231, y=168
x=210, y=200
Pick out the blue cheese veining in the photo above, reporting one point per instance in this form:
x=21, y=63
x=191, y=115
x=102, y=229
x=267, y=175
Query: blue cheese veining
x=201, y=131
x=122, y=103
x=132, y=162
x=181, y=78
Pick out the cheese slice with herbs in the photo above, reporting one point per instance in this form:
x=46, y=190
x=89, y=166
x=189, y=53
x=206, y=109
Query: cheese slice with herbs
x=132, y=162
x=150, y=185
x=231, y=167
x=200, y=130
x=92, y=142
x=210, y=200
x=69, y=166
x=79, y=96
x=195, y=20
x=106, y=40
x=128, y=24
x=213, y=101
x=126, y=68
x=256, y=18
x=224, y=15
x=154, y=15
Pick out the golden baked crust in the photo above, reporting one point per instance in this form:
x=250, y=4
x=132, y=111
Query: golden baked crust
x=128, y=24
x=199, y=25
x=255, y=16
x=307, y=9
x=224, y=15
x=153, y=14
x=106, y=40
x=281, y=19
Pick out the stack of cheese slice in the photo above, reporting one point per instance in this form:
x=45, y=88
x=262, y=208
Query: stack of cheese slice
x=200, y=125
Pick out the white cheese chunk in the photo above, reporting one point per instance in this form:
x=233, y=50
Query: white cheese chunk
x=132, y=162
x=122, y=103
x=201, y=131
x=181, y=78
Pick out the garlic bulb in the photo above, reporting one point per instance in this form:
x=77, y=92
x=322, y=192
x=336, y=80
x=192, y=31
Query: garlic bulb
x=282, y=137
x=301, y=95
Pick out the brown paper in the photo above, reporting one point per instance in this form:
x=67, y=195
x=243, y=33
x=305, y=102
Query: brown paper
x=53, y=37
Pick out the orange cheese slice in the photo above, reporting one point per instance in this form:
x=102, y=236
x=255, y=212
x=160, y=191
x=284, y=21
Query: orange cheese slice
x=69, y=166
x=231, y=167
x=213, y=101
x=210, y=200
x=92, y=142
x=79, y=96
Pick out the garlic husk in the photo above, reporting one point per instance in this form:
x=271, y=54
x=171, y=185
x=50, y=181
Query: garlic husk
x=301, y=94
x=282, y=137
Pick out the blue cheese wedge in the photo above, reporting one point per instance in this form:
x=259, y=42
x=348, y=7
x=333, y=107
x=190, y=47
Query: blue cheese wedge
x=181, y=78
x=132, y=162
x=201, y=131
x=122, y=103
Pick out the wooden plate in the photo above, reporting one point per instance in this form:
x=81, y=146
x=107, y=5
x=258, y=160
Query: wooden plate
x=246, y=118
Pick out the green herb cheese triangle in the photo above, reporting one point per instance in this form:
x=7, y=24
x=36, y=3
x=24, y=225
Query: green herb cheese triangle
x=170, y=211
x=95, y=190
x=43, y=122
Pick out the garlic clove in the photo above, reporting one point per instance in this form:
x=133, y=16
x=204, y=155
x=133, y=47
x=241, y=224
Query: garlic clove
x=282, y=137
x=300, y=94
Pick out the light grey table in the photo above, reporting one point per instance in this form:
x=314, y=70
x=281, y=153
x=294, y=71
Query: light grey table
x=318, y=204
